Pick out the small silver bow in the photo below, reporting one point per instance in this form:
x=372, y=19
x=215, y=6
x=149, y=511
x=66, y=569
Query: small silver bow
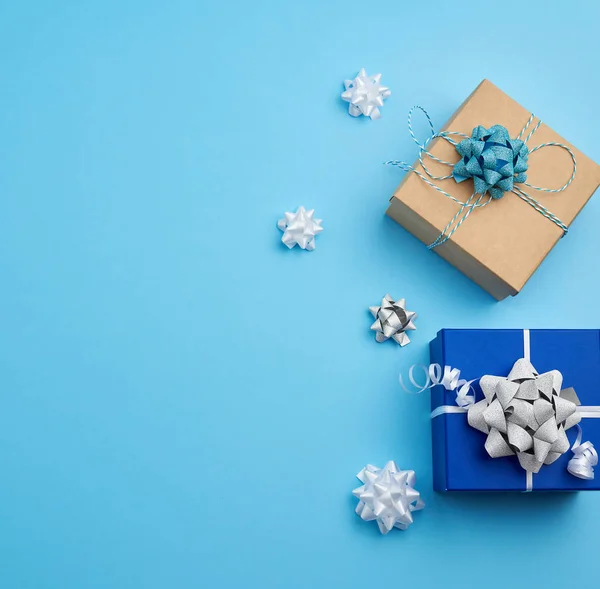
x=392, y=320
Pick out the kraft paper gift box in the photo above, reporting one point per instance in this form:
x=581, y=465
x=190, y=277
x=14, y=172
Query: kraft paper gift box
x=460, y=461
x=500, y=245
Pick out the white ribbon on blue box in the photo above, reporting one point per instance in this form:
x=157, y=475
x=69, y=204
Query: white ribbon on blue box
x=460, y=459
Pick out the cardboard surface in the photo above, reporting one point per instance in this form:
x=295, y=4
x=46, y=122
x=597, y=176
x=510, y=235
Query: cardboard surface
x=500, y=245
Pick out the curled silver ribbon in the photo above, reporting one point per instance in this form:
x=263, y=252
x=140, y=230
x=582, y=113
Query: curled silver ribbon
x=584, y=458
x=448, y=377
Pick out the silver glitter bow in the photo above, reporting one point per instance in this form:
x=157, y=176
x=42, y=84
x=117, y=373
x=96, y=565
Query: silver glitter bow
x=392, y=320
x=387, y=496
x=525, y=414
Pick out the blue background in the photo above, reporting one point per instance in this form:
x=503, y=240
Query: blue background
x=183, y=401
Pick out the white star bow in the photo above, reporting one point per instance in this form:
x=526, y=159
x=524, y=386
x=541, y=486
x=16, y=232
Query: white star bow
x=365, y=95
x=392, y=320
x=387, y=496
x=300, y=228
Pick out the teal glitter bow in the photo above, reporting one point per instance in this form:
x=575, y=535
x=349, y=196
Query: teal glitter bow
x=494, y=161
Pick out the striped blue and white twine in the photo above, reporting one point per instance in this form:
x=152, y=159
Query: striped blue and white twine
x=477, y=200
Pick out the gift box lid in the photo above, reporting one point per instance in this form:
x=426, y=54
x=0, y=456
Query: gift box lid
x=501, y=244
x=460, y=461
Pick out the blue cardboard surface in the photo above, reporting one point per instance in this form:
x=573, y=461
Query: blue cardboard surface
x=460, y=462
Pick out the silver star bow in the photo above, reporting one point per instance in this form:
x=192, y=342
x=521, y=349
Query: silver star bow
x=300, y=228
x=387, y=496
x=365, y=95
x=525, y=414
x=392, y=320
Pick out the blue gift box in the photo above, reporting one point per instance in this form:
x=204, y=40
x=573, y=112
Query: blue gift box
x=460, y=461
